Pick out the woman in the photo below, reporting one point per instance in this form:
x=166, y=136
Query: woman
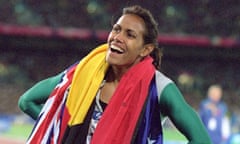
x=114, y=95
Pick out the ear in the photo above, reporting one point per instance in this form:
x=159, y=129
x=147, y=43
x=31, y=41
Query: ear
x=147, y=49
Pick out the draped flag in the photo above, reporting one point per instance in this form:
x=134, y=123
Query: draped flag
x=70, y=101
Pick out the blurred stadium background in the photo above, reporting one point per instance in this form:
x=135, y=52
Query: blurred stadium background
x=40, y=38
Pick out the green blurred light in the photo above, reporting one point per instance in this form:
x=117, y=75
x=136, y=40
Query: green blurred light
x=92, y=7
x=170, y=11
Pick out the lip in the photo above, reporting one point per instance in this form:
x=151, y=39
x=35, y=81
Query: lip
x=115, y=48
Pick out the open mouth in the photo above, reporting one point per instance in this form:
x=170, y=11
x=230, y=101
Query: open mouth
x=116, y=49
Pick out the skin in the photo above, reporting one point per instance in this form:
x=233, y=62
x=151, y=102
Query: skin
x=126, y=35
x=215, y=94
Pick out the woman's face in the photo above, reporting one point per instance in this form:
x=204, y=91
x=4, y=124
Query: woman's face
x=125, y=41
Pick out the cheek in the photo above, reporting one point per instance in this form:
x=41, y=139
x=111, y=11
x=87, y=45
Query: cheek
x=135, y=51
x=131, y=56
x=109, y=37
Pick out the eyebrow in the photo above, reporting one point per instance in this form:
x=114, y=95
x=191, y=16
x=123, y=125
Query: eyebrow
x=128, y=29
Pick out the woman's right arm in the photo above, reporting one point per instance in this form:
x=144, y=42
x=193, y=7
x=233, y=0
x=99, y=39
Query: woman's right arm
x=32, y=100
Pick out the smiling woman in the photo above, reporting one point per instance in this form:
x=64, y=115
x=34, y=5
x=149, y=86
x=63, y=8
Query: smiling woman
x=116, y=94
x=126, y=37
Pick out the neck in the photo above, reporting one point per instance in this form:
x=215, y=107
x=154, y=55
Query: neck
x=114, y=74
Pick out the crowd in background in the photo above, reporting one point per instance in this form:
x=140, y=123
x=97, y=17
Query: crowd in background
x=204, y=17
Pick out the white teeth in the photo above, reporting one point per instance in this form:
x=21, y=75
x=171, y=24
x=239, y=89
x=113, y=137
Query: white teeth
x=117, y=48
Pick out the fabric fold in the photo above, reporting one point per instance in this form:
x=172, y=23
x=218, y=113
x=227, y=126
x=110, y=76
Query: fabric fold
x=70, y=101
x=66, y=107
x=119, y=119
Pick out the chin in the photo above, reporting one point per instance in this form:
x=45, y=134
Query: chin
x=112, y=62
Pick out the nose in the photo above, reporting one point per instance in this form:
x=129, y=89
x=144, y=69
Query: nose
x=118, y=37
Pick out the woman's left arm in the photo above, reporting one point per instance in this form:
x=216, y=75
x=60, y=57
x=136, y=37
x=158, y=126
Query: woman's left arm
x=182, y=115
